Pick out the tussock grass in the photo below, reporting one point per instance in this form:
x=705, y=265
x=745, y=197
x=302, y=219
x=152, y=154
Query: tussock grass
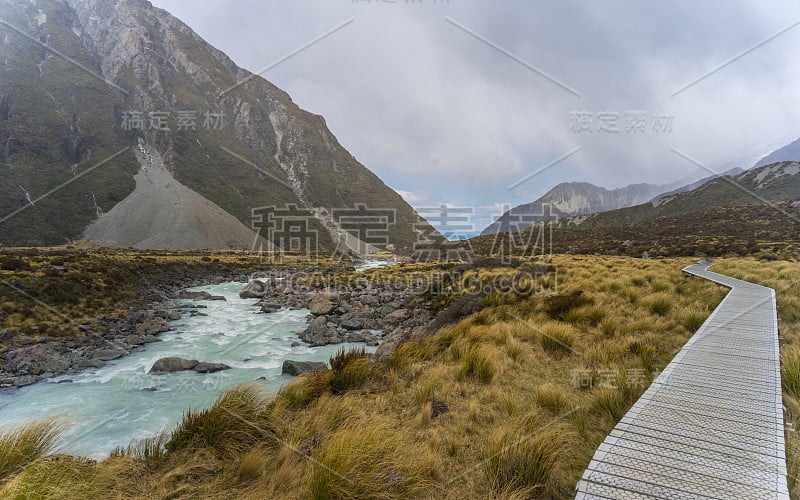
x=691, y=318
x=525, y=464
x=350, y=370
x=370, y=462
x=523, y=379
x=151, y=451
x=477, y=362
x=229, y=426
x=790, y=371
x=552, y=397
x=21, y=446
x=557, y=338
x=658, y=304
x=251, y=466
x=306, y=388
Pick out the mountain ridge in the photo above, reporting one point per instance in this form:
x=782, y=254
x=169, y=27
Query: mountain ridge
x=575, y=198
x=128, y=58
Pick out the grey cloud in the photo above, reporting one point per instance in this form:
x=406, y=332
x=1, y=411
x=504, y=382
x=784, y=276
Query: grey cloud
x=432, y=110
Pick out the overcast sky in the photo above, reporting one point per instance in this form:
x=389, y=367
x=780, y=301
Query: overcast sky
x=461, y=101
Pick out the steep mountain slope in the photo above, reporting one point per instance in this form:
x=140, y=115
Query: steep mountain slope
x=575, y=198
x=84, y=79
x=790, y=152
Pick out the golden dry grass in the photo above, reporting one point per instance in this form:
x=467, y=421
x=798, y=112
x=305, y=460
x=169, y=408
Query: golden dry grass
x=533, y=384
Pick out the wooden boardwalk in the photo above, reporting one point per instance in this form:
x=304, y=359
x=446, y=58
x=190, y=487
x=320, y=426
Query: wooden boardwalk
x=711, y=425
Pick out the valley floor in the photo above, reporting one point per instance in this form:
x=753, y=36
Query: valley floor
x=507, y=396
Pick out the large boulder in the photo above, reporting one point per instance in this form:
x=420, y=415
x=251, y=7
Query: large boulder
x=253, y=290
x=291, y=367
x=35, y=360
x=323, y=303
x=173, y=364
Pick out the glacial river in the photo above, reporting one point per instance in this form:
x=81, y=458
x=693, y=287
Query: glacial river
x=111, y=406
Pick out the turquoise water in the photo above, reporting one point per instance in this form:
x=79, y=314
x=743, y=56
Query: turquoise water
x=111, y=406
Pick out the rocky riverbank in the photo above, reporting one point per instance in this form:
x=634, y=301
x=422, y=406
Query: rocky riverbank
x=26, y=359
x=369, y=311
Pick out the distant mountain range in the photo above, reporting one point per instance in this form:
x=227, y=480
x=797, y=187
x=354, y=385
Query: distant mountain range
x=582, y=198
x=120, y=124
x=574, y=198
x=755, y=210
x=790, y=152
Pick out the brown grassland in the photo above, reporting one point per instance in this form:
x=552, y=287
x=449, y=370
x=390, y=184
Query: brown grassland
x=533, y=383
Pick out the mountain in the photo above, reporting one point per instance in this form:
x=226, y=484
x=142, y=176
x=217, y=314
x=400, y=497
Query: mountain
x=790, y=152
x=696, y=184
x=100, y=99
x=757, y=210
x=776, y=183
x=575, y=198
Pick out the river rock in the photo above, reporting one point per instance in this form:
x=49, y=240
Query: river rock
x=35, y=360
x=369, y=300
x=270, y=307
x=107, y=354
x=320, y=332
x=209, y=367
x=291, y=367
x=152, y=326
x=173, y=364
x=323, y=303
x=253, y=290
x=352, y=324
x=397, y=316
x=365, y=337
x=185, y=294
x=167, y=315
x=390, y=343
x=24, y=380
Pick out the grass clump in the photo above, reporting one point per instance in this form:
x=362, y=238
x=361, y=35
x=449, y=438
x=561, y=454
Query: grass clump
x=21, y=446
x=557, y=338
x=371, y=461
x=658, y=304
x=790, y=371
x=552, y=397
x=558, y=306
x=476, y=362
x=350, y=370
x=230, y=425
x=525, y=465
x=304, y=389
x=151, y=451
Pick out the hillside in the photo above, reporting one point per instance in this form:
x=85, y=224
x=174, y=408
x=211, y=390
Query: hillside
x=575, y=198
x=755, y=211
x=83, y=80
x=760, y=186
x=790, y=152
